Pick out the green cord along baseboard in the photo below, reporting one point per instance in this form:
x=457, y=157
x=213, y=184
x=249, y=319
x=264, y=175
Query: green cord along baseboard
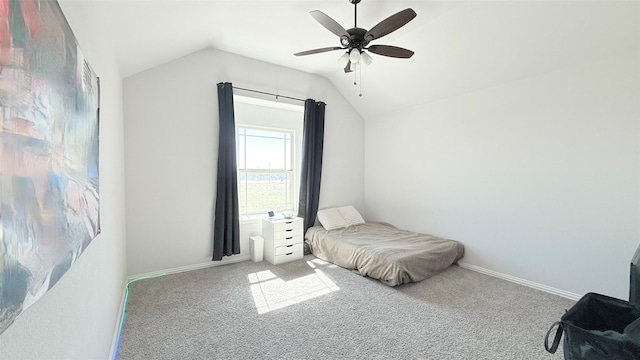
x=124, y=307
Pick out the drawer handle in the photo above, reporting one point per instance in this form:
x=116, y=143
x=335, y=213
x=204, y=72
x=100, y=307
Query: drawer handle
x=290, y=245
x=287, y=254
x=289, y=222
x=289, y=238
x=289, y=230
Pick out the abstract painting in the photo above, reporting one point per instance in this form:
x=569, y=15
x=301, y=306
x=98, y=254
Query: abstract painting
x=49, y=108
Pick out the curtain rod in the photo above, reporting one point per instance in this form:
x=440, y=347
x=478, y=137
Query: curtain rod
x=267, y=93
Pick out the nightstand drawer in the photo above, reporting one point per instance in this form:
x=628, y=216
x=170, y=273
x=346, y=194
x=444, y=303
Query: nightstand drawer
x=287, y=225
x=287, y=233
x=291, y=256
x=283, y=250
x=288, y=241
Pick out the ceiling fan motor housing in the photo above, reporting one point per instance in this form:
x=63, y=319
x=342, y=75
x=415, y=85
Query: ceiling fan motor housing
x=356, y=39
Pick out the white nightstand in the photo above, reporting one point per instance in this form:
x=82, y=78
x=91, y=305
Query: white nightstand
x=282, y=240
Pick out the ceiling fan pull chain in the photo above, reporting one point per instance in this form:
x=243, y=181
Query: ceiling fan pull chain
x=355, y=74
x=360, y=94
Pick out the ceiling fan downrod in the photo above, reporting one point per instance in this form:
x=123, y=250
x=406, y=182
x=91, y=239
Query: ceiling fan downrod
x=355, y=12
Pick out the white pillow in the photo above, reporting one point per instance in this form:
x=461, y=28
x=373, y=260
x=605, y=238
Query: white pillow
x=350, y=215
x=331, y=219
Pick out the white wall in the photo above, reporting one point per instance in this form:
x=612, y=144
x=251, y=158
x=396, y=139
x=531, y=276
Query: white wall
x=76, y=319
x=171, y=143
x=538, y=178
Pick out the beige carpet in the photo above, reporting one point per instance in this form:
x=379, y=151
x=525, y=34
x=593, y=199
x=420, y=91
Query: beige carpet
x=312, y=309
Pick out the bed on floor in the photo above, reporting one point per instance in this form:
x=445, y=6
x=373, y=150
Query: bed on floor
x=379, y=250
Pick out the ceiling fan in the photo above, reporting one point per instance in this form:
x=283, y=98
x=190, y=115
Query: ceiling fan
x=356, y=40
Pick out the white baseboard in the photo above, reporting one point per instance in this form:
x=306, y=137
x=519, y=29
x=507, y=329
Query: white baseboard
x=531, y=284
x=227, y=260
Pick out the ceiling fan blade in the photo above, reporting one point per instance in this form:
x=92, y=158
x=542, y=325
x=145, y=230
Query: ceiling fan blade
x=317, y=51
x=391, y=51
x=329, y=23
x=390, y=24
x=347, y=69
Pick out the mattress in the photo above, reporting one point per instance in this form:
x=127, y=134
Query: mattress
x=382, y=251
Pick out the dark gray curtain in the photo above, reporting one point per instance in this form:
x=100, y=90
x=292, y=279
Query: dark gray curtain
x=311, y=169
x=226, y=227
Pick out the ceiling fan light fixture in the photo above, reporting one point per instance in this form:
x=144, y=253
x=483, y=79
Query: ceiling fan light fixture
x=365, y=59
x=344, y=59
x=355, y=56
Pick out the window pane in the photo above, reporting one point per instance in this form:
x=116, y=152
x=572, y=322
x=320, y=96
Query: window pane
x=288, y=152
x=264, y=192
x=240, y=146
x=268, y=152
x=242, y=193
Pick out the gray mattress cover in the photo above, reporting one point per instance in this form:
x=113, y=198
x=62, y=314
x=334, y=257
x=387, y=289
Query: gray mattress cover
x=382, y=251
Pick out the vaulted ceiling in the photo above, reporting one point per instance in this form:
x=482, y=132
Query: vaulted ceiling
x=460, y=46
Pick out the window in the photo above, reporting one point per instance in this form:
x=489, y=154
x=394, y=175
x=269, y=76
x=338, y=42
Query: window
x=265, y=169
x=268, y=140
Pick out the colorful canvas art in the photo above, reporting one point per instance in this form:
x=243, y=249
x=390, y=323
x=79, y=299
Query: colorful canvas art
x=49, y=201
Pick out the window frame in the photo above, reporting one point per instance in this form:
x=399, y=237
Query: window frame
x=291, y=171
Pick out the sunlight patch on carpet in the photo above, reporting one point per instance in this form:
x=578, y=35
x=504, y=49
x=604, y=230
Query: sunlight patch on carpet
x=271, y=292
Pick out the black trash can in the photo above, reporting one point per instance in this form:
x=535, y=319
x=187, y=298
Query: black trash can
x=600, y=327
